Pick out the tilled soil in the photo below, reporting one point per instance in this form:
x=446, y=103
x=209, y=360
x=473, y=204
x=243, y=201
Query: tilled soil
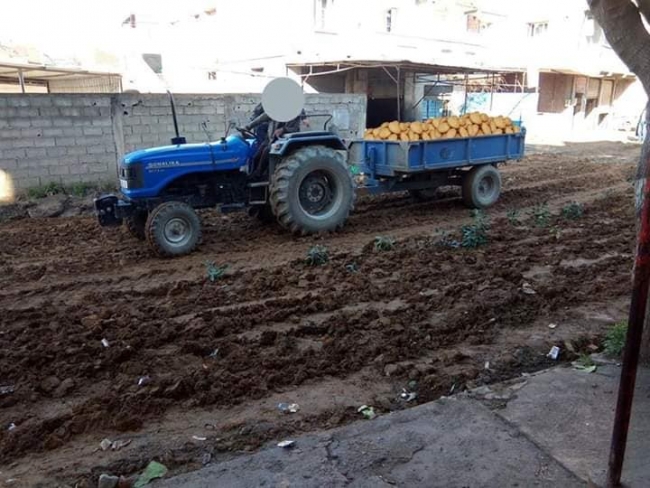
x=194, y=369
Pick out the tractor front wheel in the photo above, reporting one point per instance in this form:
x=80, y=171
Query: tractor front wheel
x=312, y=190
x=136, y=224
x=173, y=229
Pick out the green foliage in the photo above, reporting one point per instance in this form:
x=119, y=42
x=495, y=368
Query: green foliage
x=572, y=211
x=384, y=243
x=475, y=234
x=80, y=189
x=615, y=340
x=317, y=256
x=215, y=272
x=45, y=190
x=513, y=216
x=541, y=215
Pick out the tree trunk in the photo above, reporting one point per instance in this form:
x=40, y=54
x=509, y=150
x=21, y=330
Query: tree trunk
x=623, y=26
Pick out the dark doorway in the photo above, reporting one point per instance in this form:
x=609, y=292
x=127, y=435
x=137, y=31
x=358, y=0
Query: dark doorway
x=381, y=110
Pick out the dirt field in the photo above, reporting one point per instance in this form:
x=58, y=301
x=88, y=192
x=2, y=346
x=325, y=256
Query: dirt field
x=219, y=356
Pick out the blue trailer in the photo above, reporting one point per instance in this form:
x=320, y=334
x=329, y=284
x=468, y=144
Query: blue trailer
x=306, y=182
x=421, y=166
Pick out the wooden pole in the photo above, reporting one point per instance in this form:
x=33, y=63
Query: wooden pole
x=632, y=344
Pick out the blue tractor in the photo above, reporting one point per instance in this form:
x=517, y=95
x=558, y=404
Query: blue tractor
x=306, y=186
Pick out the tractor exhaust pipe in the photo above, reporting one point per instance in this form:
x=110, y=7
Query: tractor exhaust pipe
x=178, y=139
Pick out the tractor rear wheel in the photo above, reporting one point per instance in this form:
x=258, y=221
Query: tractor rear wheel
x=173, y=229
x=136, y=224
x=481, y=186
x=312, y=191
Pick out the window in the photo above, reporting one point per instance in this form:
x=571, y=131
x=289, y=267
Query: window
x=321, y=12
x=391, y=13
x=536, y=29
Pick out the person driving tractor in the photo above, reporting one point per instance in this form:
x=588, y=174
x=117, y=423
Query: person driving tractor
x=261, y=131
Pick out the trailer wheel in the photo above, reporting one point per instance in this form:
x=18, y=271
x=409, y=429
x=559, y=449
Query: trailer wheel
x=312, y=190
x=481, y=186
x=136, y=224
x=173, y=229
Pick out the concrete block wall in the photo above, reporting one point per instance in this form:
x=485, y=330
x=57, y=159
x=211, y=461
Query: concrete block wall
x=68, y=138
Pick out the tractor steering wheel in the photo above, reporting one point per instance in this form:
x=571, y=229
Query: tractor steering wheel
x=246, y=132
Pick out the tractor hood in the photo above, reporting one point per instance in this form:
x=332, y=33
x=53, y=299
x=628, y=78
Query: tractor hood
x=170, y=156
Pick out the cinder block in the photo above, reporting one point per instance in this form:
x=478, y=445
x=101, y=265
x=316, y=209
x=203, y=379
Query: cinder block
x=73, y=131
x=60, y=101
x=132, y=139
x=78, y=169
x=8, y=112
x=141, y=129
x=49, y=111
x=52, y=132
x=27, y=112
x=36, y=152
x=31, y=133
x=26, y=182
x=8, y=164
x=161, y=111
x=77, y=150
x=102, y=122
x=91, y=111
x=38, y=171
x=10, y=133
x=97, y=167
x=41, y=122
x=3, y=101
x=44, y=142
x=61, y=122
x=71, y=112
x=64, y=141
x=96, y=150
x=57, y=151
x=18, y=101
x=59, y=170
x=20, y=123
x=92, y=131
x=12, y=153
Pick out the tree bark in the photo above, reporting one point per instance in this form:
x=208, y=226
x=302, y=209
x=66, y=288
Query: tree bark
x=622, y=23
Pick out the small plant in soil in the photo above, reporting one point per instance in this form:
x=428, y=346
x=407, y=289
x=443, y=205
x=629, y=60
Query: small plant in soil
x=513, y=216
x=45, y=190
x=317, y=256
x=215, y=272
x=572, y=211
x=384, y=243
x=446, y=239
x=80, y=189
x=615, y=340
x=352, y=267
x=475, y=234
x=541, y=215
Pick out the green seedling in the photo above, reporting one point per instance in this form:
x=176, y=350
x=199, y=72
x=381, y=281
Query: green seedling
x=447, y=240
x=541, y=215
x=615, y=340
x=475, y=234
x=513, y=216
x=352, y=267
x=384, y=243
x=572, y=211
x=317, y=256
x=215, y=272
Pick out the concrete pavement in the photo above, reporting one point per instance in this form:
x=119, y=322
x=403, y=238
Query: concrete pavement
x=549, y=429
